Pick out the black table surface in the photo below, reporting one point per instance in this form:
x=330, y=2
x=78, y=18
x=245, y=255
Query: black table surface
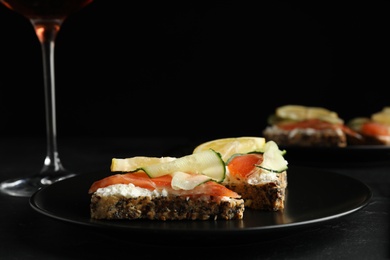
x=28, y=234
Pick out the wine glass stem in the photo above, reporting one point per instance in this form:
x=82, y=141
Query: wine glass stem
x=47, y=32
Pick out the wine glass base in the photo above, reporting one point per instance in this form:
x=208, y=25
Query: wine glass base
x=27, y=186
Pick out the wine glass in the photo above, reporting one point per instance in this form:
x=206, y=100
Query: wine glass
x=46, y=17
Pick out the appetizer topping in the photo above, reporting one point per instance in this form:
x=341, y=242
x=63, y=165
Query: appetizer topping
x=131, y=164
x=382, y=117
x=186, y=181
x=208, y=163
x=186, y=173
x=159, y=186
x=309, y=123
x=302, y=113
x=139, y=179
x=376, y=125
x=273, y=159
x=356, y=123
x=243, y=165
x=246, y=168
x=375, y=129
x=129, y=191
x=229, y=146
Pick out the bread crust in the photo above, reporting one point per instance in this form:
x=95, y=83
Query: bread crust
x=166, y=208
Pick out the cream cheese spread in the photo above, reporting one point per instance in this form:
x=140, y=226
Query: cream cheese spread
x=129, y=191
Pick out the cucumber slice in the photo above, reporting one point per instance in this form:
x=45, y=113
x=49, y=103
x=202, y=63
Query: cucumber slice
x=208, y=163
x=273, y=158
x=186, y=181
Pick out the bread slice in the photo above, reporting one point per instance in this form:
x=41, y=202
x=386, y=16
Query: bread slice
x=306, y=137
x=267, y=195
x=117, y=206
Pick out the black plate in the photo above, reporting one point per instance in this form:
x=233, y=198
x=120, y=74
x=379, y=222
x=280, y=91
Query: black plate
x=349, y=154
x=313, y=197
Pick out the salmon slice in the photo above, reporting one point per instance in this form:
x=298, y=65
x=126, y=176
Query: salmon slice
x=309, y=123
x=319, y=125
x=375, y=129
x=241, y=166
x=141, y=179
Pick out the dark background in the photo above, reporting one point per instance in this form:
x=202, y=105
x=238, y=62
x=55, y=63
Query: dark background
x=195, y=69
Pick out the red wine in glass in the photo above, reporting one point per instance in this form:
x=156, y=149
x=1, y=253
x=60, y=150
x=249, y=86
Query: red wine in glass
x=46, y=17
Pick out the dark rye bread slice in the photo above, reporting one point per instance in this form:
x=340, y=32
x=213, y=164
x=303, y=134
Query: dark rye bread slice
x=306, y=137
x=374, y=140
x=266, y=196
x=166, y=207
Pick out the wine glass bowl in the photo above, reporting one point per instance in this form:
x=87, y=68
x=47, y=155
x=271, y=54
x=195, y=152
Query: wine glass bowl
x=46, y=18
